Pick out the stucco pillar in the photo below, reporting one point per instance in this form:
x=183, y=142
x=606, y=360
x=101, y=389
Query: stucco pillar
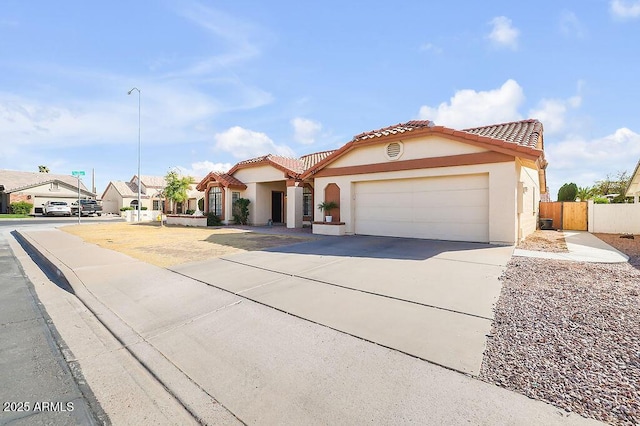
x=228, y=206
x=294, y=206
x=635, y=198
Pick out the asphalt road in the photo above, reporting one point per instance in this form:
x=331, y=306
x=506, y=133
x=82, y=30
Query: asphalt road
x=38, y=386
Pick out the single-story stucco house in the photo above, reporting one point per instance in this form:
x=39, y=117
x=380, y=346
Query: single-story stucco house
x=414, y=180
x=120, y=194
x=38, y=188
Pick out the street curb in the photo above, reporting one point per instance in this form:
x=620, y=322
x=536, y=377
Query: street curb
x=204, y=408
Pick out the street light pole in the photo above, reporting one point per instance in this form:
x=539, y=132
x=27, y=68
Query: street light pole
x=139, y=179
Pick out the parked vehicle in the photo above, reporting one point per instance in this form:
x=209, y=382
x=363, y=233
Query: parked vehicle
x=87, y=208
x=56, y=208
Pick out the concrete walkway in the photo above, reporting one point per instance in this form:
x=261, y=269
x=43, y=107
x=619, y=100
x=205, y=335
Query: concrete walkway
x=583, y=247
x=230, y=360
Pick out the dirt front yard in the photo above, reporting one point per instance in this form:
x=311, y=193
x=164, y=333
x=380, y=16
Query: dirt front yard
x=173, y=245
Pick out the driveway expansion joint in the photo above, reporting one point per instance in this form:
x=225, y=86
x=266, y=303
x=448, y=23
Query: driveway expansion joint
x=286, y=274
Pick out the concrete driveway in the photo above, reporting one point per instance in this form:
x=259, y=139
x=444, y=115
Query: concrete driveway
x=430, y=299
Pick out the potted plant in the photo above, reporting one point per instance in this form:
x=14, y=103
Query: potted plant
x=326, y=207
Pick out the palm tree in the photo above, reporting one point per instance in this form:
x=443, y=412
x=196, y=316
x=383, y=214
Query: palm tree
x=43, y=169
x=585, y=193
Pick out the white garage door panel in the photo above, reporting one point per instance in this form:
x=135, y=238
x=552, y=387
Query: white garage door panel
x=447, y=208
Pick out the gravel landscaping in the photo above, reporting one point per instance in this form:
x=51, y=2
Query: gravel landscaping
x=568, y=333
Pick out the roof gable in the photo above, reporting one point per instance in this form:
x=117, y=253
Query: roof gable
x=223, y=178
x=290, y=166
x=519, y=139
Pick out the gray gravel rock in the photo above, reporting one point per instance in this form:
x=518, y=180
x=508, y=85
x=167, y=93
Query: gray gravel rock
x=568, y=333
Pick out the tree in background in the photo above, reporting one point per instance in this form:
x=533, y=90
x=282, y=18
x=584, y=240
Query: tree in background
x=616, y=185
x=43, y=169
x=177, y=187
x=584, y=193
x=568, y=192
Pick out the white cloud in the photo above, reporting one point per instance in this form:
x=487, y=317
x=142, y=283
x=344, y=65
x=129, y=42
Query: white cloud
x=570, y=25
x=625, y=9
x=305, y=130
x=469, y=108
x=583, y=161
x=243, y=143
x=552, y=112
x=503, y=33
x=242, y=38
x=200, y=169
x=430, y=47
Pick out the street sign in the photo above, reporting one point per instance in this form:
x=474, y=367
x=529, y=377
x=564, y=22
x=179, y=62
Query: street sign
x=77, y=173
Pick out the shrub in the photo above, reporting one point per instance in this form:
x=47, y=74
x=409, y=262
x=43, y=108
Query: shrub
x=241, y=211
x=21, y=207
x=190, y=212
x=125, y=208
x=213, y=219
x=601, y=200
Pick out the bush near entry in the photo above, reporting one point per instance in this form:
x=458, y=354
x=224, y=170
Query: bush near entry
x=21, y=207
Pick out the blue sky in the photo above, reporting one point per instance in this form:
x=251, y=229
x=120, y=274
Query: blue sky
x=225, y=81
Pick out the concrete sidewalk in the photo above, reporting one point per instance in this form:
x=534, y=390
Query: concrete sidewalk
x=230, y=359
x=583, y=247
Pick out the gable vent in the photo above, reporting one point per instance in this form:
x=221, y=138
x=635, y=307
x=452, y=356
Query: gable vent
x=394, y=150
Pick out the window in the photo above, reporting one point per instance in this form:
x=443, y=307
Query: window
x=157, y=204
x=307, y=201
x=55, y=186
x=235, y=196
x=215, y=201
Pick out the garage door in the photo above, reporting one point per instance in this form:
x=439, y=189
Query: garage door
x=443, y=208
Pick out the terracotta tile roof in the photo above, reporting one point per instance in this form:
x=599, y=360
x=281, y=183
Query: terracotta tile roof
x=311, y=160
x=517, y=138
x=392, y=130
x=15, y=181
x=525, y=133
x=224, y=178
x=293, y=164
x=286, y=164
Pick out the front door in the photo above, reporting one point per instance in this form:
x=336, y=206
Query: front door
x=277, y=199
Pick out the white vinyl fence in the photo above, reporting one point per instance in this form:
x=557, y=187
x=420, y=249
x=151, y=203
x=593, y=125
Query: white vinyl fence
x=145, y=215
x=614, y=218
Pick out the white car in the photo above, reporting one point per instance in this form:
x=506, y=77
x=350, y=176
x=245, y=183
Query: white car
x=52, y=208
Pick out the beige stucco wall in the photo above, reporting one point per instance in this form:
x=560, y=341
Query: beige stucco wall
x=502, y=194
x=259, y=174
x=528, y=200
x=426, y=147
x=39, y=195
x=111, y=201
x=263, y=201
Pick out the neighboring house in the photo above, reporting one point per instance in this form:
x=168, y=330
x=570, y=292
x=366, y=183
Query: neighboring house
x=633, y=190
x=414, y=180
x=120, y=194
x=38, y=188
